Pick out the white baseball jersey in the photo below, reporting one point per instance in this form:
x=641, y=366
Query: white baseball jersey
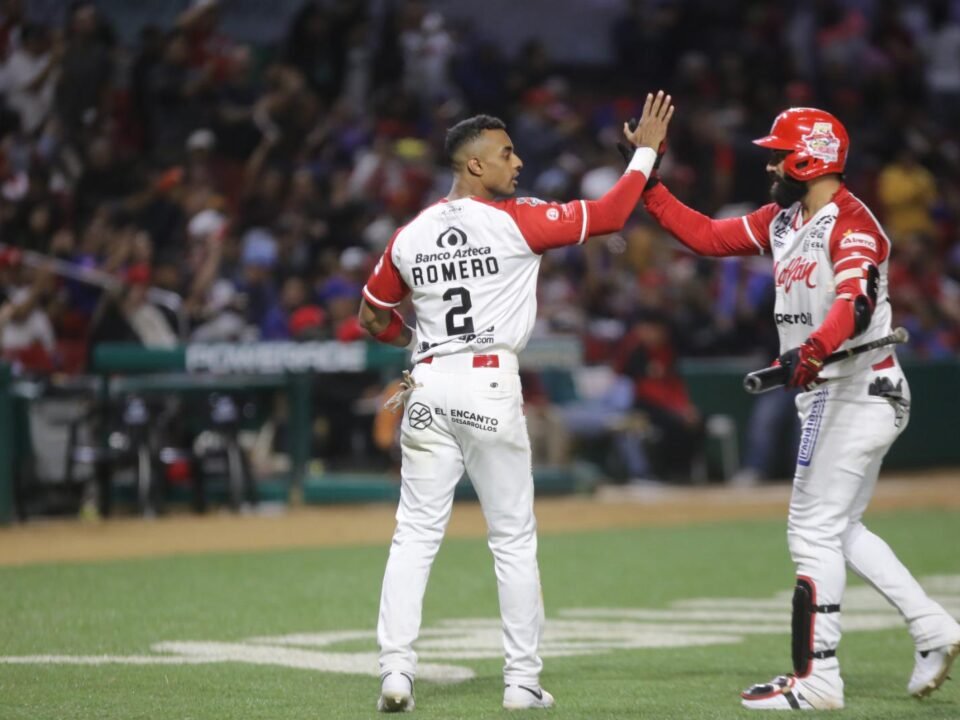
x=815, y=262
x=811, y=259
x=471, y=266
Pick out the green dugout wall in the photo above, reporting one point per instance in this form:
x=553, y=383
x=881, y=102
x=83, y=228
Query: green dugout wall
x=931, y=439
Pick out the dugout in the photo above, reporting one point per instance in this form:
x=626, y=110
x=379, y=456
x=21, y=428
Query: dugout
x=293, y=369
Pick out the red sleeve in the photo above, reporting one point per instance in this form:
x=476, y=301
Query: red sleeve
x=852, y=252
x=610, y=213
x=546, y=225
x=746, y=235
x=550, y=225
x=385, y=288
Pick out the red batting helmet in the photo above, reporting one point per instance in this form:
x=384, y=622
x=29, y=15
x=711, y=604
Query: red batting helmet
x=818, y=141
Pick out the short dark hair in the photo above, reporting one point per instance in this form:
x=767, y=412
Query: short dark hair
x=468, y=130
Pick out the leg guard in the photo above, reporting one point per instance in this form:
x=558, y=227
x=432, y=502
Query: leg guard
x=805, y=609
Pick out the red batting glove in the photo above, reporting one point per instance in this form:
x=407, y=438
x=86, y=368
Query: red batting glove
x=803, y=364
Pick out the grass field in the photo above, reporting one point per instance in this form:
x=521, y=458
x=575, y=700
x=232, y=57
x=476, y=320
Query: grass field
x=642, y=623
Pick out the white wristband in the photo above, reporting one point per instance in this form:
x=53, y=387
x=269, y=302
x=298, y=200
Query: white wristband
x=642, y=161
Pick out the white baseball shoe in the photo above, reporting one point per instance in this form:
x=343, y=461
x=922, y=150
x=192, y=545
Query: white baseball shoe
x=787, y=692
x=396, y=692
x=525, y=697
x=931, y=669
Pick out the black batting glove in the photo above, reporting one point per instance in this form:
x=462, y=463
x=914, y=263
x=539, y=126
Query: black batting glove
x=625, y=149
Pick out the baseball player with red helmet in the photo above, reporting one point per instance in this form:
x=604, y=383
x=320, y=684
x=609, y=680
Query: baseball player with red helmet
x=470, y=264
x=830, y=258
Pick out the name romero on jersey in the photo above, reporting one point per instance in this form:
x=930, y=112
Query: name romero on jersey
x=430, y=268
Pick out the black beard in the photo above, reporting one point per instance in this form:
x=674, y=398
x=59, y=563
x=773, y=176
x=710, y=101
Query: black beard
x=785, y=191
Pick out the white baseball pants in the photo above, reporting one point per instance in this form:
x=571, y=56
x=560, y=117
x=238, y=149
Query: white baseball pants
x=465, y=418
x=845, y=433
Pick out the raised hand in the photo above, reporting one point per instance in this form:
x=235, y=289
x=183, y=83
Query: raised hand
x=651, y=131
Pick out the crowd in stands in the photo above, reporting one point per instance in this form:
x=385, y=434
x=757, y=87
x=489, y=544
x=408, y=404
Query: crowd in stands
x=260, y=183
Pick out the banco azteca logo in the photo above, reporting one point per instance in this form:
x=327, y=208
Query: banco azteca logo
x=452, y=237
x=420, y=416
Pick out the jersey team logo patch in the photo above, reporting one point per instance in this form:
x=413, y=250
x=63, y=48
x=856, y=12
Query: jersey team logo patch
x=420, y=416
x=859, y=240
x=821, y=143
x=452, y=237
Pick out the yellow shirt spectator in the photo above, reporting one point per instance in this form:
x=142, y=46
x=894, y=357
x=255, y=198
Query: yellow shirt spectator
x=908, y=192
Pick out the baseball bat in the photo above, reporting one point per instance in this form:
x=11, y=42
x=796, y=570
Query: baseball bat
x=760, y=381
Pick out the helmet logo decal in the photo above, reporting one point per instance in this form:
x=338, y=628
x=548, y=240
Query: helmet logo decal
x=821, y=143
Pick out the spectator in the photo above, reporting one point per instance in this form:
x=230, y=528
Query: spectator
x=550, y=439
x=340, y=296
x=30, y=76
x=206, y=46
x=149, y=53
x=308, y=322
x=647, y=356
x=106, y=178
x=942, y=69
x=127, y=315
x=427, y=54
x=258, y=258
x=358, y=66
x=277, y=324
x=82, y=95
x=216, y=311
x=237, y=135
x=26, y=333
x=928, y=300
x=180, y=98
x=11, y=25
x=203, y=180
x=313, y=47
x=908, y=193
x=148, y=323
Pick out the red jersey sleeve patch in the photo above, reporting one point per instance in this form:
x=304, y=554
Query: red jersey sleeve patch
x=385, y=287
x=546, y=225
x=857, y=243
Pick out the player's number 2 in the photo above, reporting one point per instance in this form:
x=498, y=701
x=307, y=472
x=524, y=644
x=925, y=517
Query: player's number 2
x=461, y=308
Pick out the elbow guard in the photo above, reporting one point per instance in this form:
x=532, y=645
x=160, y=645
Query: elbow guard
x=862, y=314
x=864, y=303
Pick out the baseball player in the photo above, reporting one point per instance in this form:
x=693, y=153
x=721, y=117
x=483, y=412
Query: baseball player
x=830, y=259
x=470, y=264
